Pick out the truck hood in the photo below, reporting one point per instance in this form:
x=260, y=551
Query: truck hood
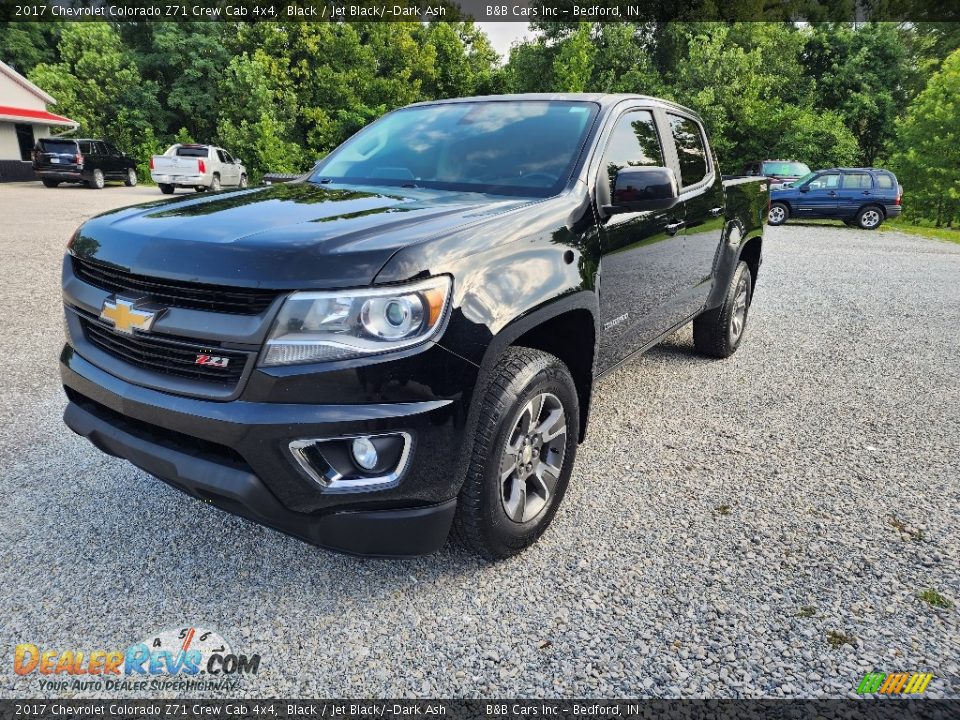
x=287, y=236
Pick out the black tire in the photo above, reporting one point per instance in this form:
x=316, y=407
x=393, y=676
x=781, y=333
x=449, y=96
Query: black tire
x=714, y=332
x=47, y=182
x=778, y=214
x=131, y=179
x=870, y=217
x=521, y=375
x=215, y=183
x=97, y=180
x=165, y=188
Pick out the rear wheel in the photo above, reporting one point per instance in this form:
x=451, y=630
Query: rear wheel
x=97, y=180
x=131, y=179
x=215, y=184
x=718, y=332
x=777, y=214
x=525, y=447
x=47, y=182
x=165, y=188
x=870, y=217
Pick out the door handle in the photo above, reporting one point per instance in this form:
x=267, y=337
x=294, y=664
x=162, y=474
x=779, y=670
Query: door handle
x=674, y=227
x=866, y=192
x=717, y=211
x=832, y=193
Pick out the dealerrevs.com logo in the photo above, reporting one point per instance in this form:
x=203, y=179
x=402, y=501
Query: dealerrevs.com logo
x=198, y=659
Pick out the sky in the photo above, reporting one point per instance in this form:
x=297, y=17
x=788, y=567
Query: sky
x=503, y=34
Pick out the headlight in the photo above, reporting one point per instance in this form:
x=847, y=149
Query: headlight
x=339, y=324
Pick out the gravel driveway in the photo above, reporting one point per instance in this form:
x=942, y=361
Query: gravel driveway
x=760, y=526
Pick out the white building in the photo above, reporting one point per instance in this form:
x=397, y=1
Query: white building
x=23, y=119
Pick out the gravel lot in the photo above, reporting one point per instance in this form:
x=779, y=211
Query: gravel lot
x=725, y=521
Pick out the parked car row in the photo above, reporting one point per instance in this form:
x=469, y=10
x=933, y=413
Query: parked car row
x=93, y=163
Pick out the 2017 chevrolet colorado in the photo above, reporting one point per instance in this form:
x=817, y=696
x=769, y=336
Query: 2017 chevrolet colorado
x=407, y=339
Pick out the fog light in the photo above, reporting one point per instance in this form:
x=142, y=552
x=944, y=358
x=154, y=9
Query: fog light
x=364, y=453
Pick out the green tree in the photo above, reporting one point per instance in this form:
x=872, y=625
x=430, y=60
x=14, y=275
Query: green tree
x=255, y=117
x=860, y=73
x=573, y=65
x=98, y=84
x=23, y=45
x=926, y=151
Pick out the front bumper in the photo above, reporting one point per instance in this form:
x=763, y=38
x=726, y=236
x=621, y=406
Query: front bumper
x=235, y=455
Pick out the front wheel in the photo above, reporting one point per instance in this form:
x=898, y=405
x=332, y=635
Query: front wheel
x=243, y=181
x=523, y=454
x=869, y=218
x=777, y=214
x=718, y=332
x=131, y=179
x=97, y=180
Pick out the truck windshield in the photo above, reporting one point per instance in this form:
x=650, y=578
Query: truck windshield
x=785, y=169
x=526, y=148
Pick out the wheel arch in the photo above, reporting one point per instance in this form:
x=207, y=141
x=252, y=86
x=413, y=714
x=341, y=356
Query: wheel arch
x=566, y=328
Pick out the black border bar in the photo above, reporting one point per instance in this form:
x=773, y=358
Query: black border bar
x=868, y=708
x=560, y=11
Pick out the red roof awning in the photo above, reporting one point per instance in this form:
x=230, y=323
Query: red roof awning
x=41, y=117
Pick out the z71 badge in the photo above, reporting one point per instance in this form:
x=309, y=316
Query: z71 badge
x=212, y=361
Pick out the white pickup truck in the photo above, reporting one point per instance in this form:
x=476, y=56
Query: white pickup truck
x=202, y=167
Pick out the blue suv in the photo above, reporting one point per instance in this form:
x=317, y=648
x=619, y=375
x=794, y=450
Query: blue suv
x=862, y=197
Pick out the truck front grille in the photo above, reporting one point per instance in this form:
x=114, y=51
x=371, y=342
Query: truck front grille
x=174, y=293
x=168, y=356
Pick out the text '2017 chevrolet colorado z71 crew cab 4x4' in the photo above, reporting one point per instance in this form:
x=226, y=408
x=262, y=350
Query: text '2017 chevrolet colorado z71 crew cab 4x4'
x=406, y=340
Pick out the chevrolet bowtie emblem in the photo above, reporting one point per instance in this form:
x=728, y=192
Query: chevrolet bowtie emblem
x=126, y=317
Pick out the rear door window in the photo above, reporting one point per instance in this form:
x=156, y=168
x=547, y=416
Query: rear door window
x=691, y=149
x=856, y=181
x=86, y=147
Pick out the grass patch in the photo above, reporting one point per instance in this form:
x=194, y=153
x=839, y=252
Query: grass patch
x=807, y=611
x=837, y=639
x=935, y=599
x=948, y=234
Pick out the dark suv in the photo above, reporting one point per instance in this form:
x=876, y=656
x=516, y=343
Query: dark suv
x=861, y=197
x=91, y=162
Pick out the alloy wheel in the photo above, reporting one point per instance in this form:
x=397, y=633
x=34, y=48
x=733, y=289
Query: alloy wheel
x=533, y=458
x=870, y=219
x=777, y=214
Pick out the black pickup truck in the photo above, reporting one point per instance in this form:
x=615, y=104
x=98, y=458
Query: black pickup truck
x=406, y=340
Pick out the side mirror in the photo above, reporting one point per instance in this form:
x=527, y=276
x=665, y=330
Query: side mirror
x=805, y=188
x=640, y=189
x=237, y=161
